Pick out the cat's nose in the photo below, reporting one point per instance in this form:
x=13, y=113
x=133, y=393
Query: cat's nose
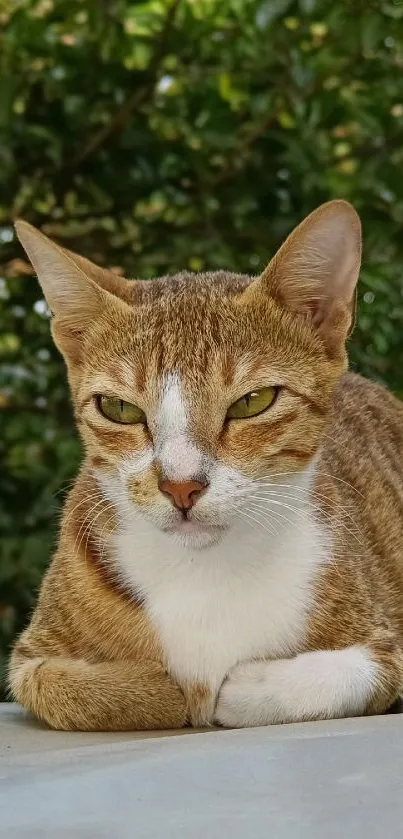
x=183, y=494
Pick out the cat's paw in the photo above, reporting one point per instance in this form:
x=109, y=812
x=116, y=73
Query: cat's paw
x=245, y=698
x=315, y=685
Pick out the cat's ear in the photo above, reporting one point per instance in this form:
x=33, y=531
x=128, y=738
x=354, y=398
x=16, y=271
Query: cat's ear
x=75, y=289
x=315, y=272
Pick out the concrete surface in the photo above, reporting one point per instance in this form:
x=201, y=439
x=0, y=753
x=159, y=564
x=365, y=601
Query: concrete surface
x=324, y=780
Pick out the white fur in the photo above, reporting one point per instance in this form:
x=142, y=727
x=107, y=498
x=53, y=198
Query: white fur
x=247, y=595
x=135, y=465
x=179, y=458
x=314, y=685
x=172, y=416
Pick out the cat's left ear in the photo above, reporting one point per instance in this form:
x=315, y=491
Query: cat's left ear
x=315, y=272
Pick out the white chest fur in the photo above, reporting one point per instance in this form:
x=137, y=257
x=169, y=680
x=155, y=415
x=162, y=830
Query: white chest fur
x=247, y=596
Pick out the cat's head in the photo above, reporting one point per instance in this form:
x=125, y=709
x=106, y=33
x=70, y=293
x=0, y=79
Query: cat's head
x=193, y=390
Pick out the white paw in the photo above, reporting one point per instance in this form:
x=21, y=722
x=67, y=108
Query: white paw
x=244, y=699
x=314, y=685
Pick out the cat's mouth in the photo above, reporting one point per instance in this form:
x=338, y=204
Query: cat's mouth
x=195, y=533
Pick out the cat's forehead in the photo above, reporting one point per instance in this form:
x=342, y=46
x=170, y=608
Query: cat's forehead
x=197, y=326
x=187, y=284
x=178, y=322
x=183, y=321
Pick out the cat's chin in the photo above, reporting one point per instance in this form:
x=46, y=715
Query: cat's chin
x=193, y=534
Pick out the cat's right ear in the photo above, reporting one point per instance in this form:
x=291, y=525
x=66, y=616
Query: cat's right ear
x=75, y=289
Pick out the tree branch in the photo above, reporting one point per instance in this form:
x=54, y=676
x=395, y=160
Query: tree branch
x=241, y=151
x=135, y=100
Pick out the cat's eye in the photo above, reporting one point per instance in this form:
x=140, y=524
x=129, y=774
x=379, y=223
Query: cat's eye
x=252, y=403
x=118, y=410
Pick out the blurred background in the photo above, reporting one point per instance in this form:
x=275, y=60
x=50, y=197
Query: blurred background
x=153, y=137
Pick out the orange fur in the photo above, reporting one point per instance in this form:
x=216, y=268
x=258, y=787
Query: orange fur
x=91, y=658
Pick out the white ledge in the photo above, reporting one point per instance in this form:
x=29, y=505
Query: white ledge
x=308, y=781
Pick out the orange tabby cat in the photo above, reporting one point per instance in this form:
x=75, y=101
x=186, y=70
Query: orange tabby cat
x=232, y=549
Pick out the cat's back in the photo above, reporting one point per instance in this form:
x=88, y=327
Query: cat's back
x=365, y=432
x=362, y=463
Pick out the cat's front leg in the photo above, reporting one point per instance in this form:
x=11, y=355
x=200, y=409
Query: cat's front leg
x=75, y=695
x=315, y=685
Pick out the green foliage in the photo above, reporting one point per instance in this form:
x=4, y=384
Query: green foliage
x=155, y=137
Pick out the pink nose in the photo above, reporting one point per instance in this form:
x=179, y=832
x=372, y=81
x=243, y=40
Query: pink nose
x=182, y=494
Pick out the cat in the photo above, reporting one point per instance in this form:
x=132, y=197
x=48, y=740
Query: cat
x=232, y=551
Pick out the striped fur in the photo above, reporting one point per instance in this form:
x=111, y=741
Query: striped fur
x=279, y=597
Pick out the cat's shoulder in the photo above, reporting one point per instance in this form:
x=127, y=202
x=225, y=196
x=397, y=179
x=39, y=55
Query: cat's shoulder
x=358, y=395
x=366, y=423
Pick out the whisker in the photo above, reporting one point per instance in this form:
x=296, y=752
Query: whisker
x=335, y=525
x=82, y=501
x=303, y=502
x=101, y=536
x=90, y=527
x=70, y=484
x=279, y=515
x=246, y=514
x=310, y=491
x=335, y=508
x=87, y=518
x=318, y=473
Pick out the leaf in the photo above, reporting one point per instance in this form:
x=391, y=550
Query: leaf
x=269, y=11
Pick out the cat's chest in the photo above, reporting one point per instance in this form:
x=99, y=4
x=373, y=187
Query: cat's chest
x=205, y=629
x=232, y=603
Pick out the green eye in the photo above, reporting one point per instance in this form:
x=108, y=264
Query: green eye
x=252, y=403
x=118, y=410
